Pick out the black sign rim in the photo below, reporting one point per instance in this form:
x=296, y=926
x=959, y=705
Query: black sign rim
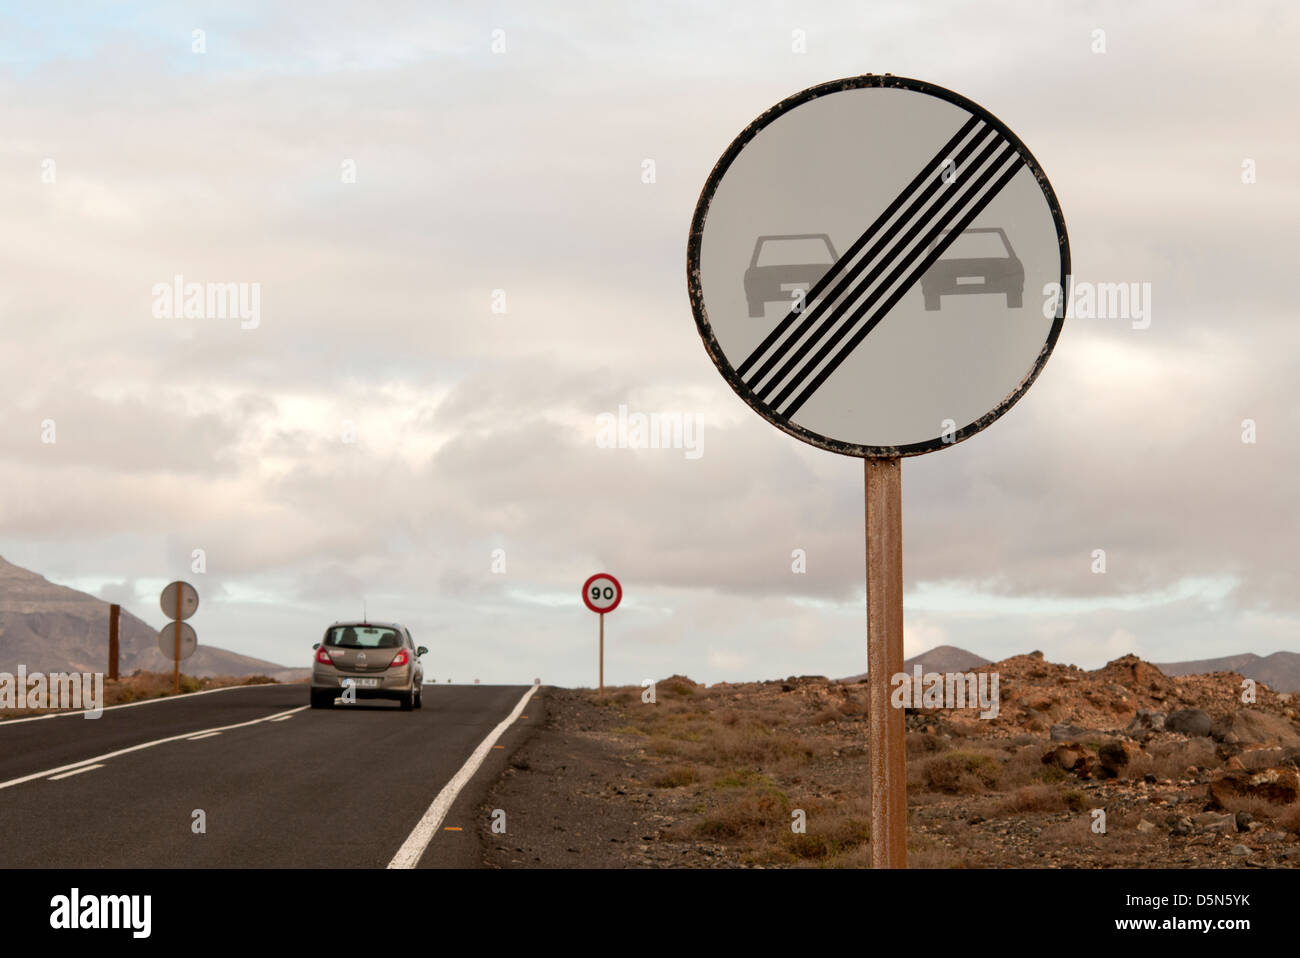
x=697, y=294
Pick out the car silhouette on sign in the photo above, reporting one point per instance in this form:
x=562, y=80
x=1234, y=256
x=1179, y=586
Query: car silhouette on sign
x=978, y=261
x=782, y=264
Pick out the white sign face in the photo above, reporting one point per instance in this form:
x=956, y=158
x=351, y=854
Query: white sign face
x=167, y=639
x=877, y=266
x=189, y=600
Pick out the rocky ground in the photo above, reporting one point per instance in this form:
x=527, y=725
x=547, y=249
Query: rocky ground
x=1119, y=767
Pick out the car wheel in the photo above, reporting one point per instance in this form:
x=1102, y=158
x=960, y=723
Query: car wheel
x=756, y=310
x=1015, y=300
x=408, y=700
x=419, y=698
x=931, y=303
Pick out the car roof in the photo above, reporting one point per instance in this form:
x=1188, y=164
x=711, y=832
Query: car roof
x=369, y=625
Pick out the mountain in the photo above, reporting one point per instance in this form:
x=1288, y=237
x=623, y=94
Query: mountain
x=942, y=658
x=52, y=628
x=1279, y=671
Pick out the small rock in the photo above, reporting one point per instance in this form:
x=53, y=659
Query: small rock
x=1072, y=758
x=1067, y=733
x=1147, y=720
x=1281, y=786
x=1241, y=851
x=1190, y=722
x=1114, y=758
x=1215, y=823
x=1243, y=820
x=1144, y=826
x=1252, y=725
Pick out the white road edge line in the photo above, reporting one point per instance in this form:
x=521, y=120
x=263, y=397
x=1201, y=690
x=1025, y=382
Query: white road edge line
x=195, y=738
x=75, y=771
x=131, y=705
x=408, y=856
x=135, y=748
x=282, y=718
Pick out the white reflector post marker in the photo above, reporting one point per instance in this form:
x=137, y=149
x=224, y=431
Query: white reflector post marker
x=879, y=267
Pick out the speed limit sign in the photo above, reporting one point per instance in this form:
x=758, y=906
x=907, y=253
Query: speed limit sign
x=602, y=593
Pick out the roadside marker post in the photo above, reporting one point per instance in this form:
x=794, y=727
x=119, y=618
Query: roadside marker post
x=179, y=601
x=602, y=593
x=114, y=617
x=913, y=338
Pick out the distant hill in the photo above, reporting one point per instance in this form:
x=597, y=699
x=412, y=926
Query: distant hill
x=51, y=628
x=942, y=658
x=1279, y=671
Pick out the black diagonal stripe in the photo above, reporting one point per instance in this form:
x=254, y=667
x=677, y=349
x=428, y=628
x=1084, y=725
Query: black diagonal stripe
x=895, y=253
x=829, y=277
x=818, y=316
x=959, y=206
x=943, y=243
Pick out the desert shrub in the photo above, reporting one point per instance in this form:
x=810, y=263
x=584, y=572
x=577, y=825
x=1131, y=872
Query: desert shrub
x=959, y=772
x=921, y=743
x=676, y=777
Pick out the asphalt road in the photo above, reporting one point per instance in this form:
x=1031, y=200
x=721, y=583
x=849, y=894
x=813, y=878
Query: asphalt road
x=339, y=788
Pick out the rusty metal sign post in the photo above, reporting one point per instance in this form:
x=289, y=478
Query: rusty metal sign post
x=114, y=618
x=179, y=601
x=602, y=593
x=858, y=266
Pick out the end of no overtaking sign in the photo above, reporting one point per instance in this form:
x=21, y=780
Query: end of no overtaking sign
x=865, y=266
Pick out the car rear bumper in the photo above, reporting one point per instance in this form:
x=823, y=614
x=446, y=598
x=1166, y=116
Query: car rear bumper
x=389, y=684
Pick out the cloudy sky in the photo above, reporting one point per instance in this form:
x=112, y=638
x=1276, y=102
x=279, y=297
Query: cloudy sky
x=382, y=172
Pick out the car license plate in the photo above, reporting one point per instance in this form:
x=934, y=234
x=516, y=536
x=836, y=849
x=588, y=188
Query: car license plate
x=360, y=683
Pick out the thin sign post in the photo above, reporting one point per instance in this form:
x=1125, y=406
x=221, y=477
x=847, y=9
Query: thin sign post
x=884, y=510
x=176, y=650
x=602, y=593
x=114, y=614
x=857, y=266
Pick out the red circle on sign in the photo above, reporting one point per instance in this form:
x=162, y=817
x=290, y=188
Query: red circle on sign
x=598, y=604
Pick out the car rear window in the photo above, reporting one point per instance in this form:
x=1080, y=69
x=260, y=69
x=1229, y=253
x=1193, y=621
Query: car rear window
x=801, y=251
x=362, y=637
x=971, y=245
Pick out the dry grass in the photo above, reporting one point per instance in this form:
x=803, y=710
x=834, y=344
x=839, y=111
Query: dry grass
x=676, y=777
x=958, y=772
x=1033, y=798
x=1171, y=760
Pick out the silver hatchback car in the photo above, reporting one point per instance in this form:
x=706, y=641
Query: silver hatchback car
x=378, y=660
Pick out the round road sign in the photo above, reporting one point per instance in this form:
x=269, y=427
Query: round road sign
x=878, y=266
x=602, y=593
x=167, y=639
x=189, y=600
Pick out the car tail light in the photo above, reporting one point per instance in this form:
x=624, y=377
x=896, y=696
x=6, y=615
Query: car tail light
x=323, y=656
x=401, y=658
